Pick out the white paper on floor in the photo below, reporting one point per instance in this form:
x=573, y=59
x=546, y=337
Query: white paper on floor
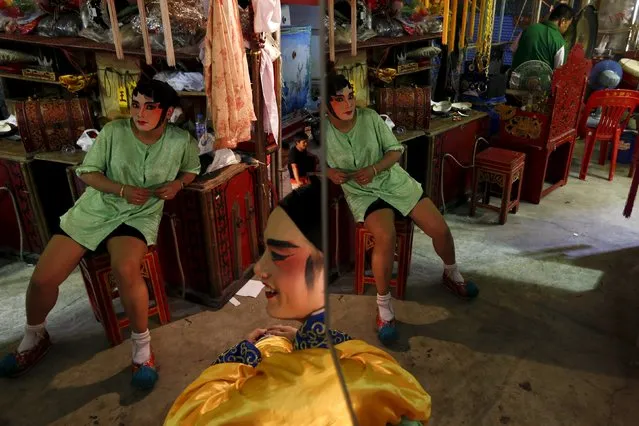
x=234, y=301
x=252, y=288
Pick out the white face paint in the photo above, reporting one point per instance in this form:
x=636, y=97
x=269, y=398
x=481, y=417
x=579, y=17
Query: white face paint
x=343, y=104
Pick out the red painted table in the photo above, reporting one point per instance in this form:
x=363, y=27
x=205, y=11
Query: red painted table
x=457, y=138
x=16, y=175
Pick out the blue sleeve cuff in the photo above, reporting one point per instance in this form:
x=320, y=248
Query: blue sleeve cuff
x=244, y=352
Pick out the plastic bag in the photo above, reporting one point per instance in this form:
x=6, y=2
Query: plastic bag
x=86, y=140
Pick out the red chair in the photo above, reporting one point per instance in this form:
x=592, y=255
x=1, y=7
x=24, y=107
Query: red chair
x=614, y=104
x=364, y=243
x=102, y=291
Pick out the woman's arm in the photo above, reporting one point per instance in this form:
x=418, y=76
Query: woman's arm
x=133, y=195
x=387, y=161
x=100, y=182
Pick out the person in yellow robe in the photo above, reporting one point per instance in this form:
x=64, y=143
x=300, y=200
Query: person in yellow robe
x=287, y=376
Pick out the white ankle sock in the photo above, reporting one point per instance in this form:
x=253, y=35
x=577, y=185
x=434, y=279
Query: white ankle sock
x=32, y=335
x=452, y=271
x=141, y=346
x=385, y=307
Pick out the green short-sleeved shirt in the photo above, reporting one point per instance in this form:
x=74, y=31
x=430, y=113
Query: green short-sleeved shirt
x=124, y=159
x=364, y=145
x=540, y=42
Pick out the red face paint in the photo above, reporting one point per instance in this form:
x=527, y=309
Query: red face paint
x=146, y=114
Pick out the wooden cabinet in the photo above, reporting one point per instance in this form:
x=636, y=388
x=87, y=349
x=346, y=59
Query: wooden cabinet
x=456, y=138
x=208, y=238
x=16, y=178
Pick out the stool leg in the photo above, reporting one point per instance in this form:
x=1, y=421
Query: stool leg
x=473, y=199
x=360, y=254
x=519, y=186
x=159, y=292
x=107, y=311
x=585, y=162
x=615, y=150
x=603, y=152
x=505, y=198
x=401, y=267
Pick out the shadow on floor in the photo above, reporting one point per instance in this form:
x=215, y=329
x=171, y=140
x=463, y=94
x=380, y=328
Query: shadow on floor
x=55, y=401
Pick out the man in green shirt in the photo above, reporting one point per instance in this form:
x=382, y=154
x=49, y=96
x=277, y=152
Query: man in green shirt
x=544, y=41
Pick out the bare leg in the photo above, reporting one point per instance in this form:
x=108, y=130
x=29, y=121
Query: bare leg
x=126, y=260
x=60, y=257
x=381, y=224
x=430, y=220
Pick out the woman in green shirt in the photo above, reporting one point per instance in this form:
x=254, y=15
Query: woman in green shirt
x=131, y=169
x=362, y=155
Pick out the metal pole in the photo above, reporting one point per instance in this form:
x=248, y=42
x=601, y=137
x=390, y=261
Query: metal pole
x=278, y=96
x=501, y=19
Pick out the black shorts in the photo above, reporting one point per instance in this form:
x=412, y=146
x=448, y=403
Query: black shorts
x=121, y=231
x=380, y=204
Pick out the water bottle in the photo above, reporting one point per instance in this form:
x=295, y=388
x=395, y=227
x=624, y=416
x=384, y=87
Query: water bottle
x=200, y=126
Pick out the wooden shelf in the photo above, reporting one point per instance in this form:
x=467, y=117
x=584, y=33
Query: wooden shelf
x=187, y=93
x=386, y=42
x=81, y=44
x=21, y=77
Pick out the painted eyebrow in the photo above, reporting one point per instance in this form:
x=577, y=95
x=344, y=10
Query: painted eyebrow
x=280, y=244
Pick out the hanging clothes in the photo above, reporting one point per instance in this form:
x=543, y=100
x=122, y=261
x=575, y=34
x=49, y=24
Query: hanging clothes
x=228, y=86
x=268, y=16
x=271, y=113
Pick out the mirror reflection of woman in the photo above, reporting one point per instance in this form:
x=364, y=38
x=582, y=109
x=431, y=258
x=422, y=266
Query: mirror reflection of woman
x=283, y=375
x=363, y=154
x=133, y=167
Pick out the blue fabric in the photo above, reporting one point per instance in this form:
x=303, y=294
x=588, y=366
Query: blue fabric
x=311, y=335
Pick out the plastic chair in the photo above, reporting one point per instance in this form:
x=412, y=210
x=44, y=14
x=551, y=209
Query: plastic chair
x=614, y=104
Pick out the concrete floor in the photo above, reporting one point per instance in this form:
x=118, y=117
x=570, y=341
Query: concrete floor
x=547, y=342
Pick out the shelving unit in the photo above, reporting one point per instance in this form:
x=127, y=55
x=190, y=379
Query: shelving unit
x=386, y=42
x=80, y=43
x=23, y=78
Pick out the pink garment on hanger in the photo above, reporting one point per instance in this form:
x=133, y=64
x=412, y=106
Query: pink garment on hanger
x=271, y=115
x=268, y=16
x=228, y=86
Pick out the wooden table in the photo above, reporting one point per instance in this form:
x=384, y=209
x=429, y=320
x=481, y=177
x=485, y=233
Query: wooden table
x=16, y=174
x=456, y=138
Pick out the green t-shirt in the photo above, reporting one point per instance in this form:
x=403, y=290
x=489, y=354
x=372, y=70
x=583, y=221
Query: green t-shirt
x=541, y=42
x=124, y=159
x=364, y=145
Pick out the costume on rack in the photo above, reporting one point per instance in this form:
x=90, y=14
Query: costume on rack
x=279, y=382
x=353, y=150
x=123, y=158
x=228, y=86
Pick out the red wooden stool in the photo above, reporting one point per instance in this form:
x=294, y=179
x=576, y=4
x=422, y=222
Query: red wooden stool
x=502, y=167
x=364, y=243
x=102, y=290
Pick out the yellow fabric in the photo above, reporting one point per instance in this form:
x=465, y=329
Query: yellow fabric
x=302, y=388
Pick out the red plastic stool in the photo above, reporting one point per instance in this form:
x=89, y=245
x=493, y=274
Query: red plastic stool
x=102, y=290
x=503, y=168
x=364, y=243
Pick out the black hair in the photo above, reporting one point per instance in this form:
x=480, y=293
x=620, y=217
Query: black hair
x=561, y=11
x=299, y=136
x=334, y=83
x=304, y=207
x=159, y=91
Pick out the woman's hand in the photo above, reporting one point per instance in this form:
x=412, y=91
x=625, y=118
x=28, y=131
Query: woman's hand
x=364, y=176
x=169, y=191
x=255, y=335
x=135, y=195
x=336, y=176
x=284, y=331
